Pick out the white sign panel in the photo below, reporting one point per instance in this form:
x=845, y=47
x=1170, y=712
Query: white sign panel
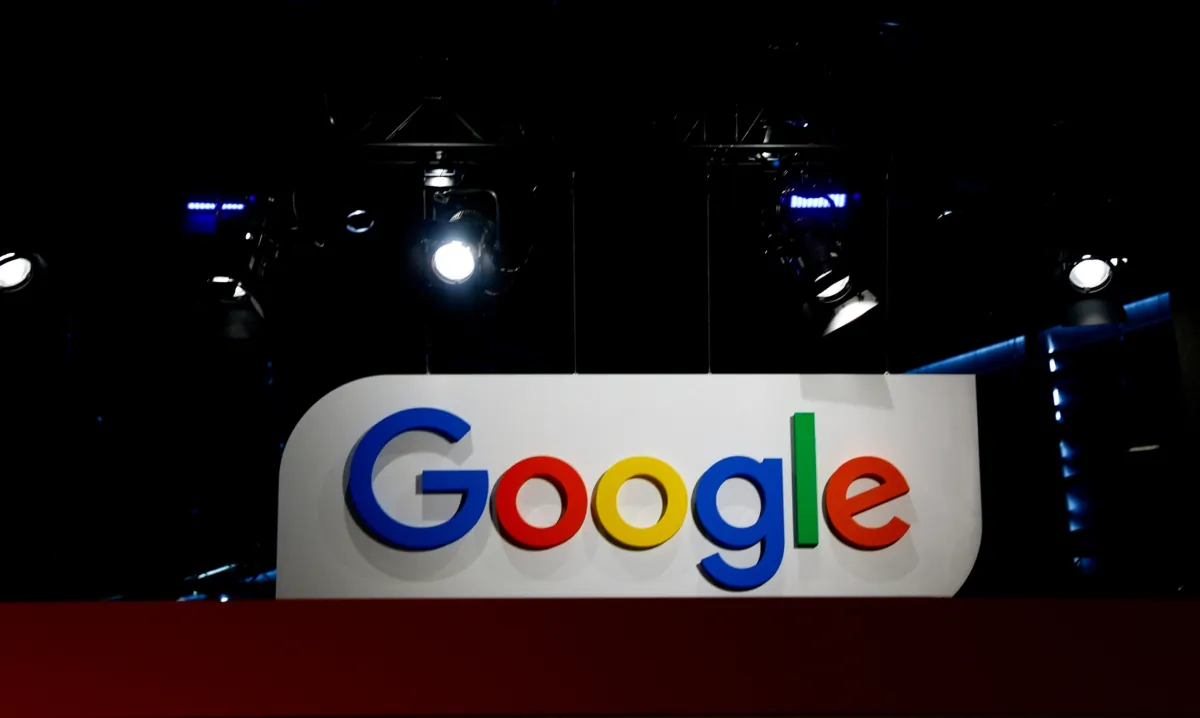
x=646, y=485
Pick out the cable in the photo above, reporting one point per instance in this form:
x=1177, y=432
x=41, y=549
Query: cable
x=708, y=260
x=574, y=288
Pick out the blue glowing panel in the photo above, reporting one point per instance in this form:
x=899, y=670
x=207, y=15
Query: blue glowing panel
x=1004, y=355
x=1150, y=310
x=232, y=206
x=201, y=206
x=1007, y=354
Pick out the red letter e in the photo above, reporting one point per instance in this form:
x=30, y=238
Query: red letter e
x=841, y=510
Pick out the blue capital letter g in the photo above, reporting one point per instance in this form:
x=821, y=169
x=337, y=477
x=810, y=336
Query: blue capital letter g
x=360, y=494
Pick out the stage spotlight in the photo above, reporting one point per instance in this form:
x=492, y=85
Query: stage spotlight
x=1096, y=278
x=819, y=259
x=454, y=261
x=227, y=288
x=1089, y=274
x=835, y=291
x=440, y=177
x=359, y=221
x=460, y=249
x=230, y=309
x=850, y=310
x=16, y=271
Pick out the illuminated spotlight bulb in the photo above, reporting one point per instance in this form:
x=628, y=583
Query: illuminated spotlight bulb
x=454, y=262
x=441, y=177
x=1090, y=274
x=14, y=271
x=359, y=221
x=834, y=291
x=850, y=310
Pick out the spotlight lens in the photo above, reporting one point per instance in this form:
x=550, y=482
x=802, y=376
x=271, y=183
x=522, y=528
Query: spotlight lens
x=454, y=262
x=440, y=177
x=359, y=221
x=1090, y=275
x=835, y=290
x=14, y=271
x=851, y=310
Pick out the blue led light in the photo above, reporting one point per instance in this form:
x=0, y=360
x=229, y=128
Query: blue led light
x=1065, y=451
x=1086, y=565
x=1074, y=525
x=210, y=206
x=1057, y=397
x=1058, y=416
x=1068, y=472
x=1075, y=505
x=1053, y=366
x=830, y=200
x=980, y=361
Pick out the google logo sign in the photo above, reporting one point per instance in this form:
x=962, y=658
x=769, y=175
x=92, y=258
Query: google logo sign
x=766, y=475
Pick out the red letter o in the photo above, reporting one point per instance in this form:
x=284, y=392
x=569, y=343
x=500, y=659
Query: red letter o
x=570, y=489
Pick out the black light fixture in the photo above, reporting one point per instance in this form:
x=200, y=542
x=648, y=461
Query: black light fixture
x=441, y=177
x=231, y=306
x=820, y=261
x=1093, y=292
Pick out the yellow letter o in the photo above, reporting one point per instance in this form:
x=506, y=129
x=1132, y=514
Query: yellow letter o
x=669, y=484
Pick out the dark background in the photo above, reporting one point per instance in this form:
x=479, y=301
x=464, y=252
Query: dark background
x=141, y=448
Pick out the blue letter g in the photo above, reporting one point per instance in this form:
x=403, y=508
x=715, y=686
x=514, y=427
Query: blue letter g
x=767, y=477
x=360, y=494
